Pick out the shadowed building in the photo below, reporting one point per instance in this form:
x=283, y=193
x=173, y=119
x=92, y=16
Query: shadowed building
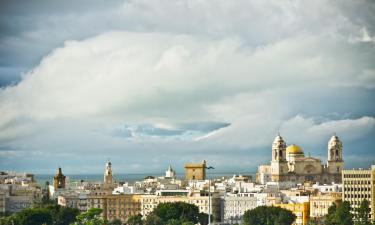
x=59, y=180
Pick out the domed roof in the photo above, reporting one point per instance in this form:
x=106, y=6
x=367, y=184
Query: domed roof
x=294, y=149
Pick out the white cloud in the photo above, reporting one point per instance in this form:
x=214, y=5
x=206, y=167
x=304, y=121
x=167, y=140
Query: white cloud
x=274, y=65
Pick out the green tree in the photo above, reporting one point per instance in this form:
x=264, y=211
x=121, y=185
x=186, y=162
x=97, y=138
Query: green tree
x=362, y=213
x=268, y=215
x=115, y=222
x=188, y=223
x=203, y=218
x=177, y=210
x=134, y=220
x=152, y=219
x=173, y=222
x=339, y=215
x=34, y=216
x=91, y=217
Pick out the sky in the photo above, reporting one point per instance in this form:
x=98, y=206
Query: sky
x=149, y=84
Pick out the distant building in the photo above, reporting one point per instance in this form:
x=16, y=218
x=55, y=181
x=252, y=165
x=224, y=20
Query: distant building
x=59, y=180
x=359, y=184
x=290, y=166
x=108, y=177
x=195, y=171
x=264, y=174
x=170, y=173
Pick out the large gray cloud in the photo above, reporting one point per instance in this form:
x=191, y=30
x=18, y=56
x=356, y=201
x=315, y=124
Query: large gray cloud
x=149, y=91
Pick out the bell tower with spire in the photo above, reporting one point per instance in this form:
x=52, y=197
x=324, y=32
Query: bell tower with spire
x=279, y=166
x=335, y=162
x=59, y=180
x=108, y=178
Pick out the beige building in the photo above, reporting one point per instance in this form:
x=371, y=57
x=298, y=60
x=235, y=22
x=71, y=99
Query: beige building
x=290, y=165
x=150, y=202
x=195, y=171
x=2, y=202
x=359, y=185
x=122, y=206
x=320, y=203
x=264, y=174
x=73, y=200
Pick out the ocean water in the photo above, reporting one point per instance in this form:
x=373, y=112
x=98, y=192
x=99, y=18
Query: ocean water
x=43, y=178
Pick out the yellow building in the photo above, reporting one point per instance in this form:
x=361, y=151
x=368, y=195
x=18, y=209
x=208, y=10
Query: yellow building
x=301, y=210
x=195, y=171
x=320, y=203
x=116, y=206
x=150, y=202
x=122, y=206
x=359, y=185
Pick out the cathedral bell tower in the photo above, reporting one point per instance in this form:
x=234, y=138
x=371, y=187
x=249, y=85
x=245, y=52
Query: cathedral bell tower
x=279, y=165
x=108, y=179
x=335, y=162
x=59, y=180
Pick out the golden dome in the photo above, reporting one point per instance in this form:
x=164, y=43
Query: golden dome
x=294, y=149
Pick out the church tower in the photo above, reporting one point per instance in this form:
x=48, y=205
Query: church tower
x=335, y=162
x=108, y=179
x=59, y=180
x=279, y=166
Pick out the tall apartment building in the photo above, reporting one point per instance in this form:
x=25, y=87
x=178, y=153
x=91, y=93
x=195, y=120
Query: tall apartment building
x=359, y=184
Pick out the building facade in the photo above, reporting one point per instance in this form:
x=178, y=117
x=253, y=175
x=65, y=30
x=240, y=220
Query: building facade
x=359, y=185
x=290, y=165
x=320, y=203
x=233, y=207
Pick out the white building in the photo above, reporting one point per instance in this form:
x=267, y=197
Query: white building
x=233, y=206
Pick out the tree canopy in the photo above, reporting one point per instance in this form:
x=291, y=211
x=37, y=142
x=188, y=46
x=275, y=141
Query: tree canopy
x=339, y=215
x=268, y=215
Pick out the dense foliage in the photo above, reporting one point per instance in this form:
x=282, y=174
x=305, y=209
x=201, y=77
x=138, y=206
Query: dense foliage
x=268, y=215
x=49, y=214
x=176, y=213
x=339, y=215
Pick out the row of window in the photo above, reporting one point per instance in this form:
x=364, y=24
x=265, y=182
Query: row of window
x=357, y=175
x=367, y=196
x=357, y=189
x=354, y=182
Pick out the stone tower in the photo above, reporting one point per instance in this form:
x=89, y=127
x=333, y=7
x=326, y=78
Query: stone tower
x=279, y=165
x=108, y=178
x=335, y=162
x=195, y=171
x=59, y=180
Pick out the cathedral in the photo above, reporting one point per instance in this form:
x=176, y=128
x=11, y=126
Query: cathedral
x=290, y=165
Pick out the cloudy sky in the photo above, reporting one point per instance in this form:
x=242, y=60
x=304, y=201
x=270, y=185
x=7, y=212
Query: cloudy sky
x=148, y=83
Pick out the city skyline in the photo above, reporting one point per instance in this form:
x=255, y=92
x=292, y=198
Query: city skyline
x=155, y=83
